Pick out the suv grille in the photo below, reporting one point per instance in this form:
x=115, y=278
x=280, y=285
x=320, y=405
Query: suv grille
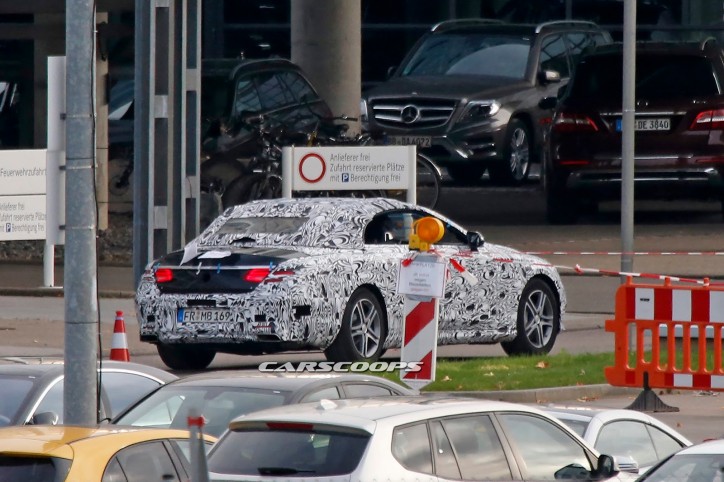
x=412, y=112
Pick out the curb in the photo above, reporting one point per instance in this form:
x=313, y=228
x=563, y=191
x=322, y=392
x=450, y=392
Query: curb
x=546, y=395
x=58, y=292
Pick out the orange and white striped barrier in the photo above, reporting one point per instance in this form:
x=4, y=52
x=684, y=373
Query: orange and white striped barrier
x=419, y=341
x=642, y=310
x=119, y=343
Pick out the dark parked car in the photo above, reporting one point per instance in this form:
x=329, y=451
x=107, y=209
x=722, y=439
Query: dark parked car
x=222, y=396
x=678, y=128
x=31, y=389
x=467, y=93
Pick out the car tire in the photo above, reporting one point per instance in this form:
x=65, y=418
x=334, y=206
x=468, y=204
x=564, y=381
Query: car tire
x=185, y=357
x=517, y=148
x=363, y=329
x=466, y=174
x=538, y=320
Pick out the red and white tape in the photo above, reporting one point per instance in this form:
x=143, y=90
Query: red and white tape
x=621, y=253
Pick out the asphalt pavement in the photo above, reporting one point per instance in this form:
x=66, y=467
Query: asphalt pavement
x=32, y=324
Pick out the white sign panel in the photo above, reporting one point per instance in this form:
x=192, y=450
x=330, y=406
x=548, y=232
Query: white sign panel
x=422, y=277
x=22, y=194
x=22, y=217
x=22, y=172
x=351, y=167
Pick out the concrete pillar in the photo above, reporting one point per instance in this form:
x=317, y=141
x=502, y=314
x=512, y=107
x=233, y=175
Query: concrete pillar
x=101, y=127
x=327, y=44
x=52, y=43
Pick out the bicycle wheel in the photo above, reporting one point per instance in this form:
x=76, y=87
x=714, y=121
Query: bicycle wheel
x=428, y=182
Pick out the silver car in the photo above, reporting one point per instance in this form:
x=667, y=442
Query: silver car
x=405, y=438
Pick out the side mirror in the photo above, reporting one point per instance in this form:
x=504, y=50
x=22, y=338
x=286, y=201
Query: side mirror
x=626, y=463
x=390, y=71
x=45, y=418
x=475, y=240
x=606, y=467
x=549, y=76
x=548, y=103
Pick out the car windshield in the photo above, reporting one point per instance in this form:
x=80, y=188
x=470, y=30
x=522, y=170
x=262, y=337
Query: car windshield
x=657, y=77
x=287, y=453
x=35, y=469
x=470, y=54
x=169, y=406
x=14, y=391
x=578, y=426
x=703, y=467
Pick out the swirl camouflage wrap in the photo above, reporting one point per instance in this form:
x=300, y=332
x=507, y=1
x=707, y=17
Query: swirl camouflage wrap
x=289, y=274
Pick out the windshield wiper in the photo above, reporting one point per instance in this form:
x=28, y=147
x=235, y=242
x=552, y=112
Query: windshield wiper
x=282, y=471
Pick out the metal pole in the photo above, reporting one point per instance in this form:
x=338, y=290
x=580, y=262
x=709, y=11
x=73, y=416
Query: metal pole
x=80, y=278
x=627, y=133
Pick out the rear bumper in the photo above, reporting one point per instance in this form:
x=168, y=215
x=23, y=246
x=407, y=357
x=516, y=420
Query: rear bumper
x=700, y=183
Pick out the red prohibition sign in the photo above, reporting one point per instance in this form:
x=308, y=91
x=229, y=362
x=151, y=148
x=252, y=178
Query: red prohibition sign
x=312, y=155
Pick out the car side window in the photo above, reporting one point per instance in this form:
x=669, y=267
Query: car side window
x=446, y=465
x=52, y=401
x=394, y=227
x=664, y=443
x=578, y=43
x=411, y=447
x=365, y=390
x=246, y=98
x=298, y=86
x=146, y=462
x=554, y=55
x=627, y=437
x=329, y=393
x=272, y=92
x=543, y=447
x=123, y=388
x=477, y=448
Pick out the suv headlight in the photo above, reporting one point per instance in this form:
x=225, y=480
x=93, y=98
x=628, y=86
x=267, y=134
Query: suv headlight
x=480, y=109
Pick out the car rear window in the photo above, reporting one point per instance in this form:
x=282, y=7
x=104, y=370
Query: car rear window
x=261, y=225
x=304, y=453
x=35, y=469
x=657, y=77
x=14, y=391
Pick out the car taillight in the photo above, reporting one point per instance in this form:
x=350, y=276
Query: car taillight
x=567, y=122
x=163, y=275
x=305, y=427
x=257, y=275
x=708, y=120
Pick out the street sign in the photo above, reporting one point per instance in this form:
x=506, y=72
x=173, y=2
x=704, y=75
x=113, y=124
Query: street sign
x=22, y=195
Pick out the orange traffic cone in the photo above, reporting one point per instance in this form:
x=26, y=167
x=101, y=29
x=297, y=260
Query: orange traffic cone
x=119, y=343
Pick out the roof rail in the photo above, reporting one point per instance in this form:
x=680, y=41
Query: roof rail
x=458, y=22
x=568, y=23
x=707, y=41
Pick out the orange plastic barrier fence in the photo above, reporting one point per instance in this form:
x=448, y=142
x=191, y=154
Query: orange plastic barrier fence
x=654, y=314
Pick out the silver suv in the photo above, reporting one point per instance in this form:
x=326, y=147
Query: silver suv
x=467, y=93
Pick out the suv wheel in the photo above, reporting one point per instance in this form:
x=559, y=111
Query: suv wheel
x=516, y=155
x=466, y=174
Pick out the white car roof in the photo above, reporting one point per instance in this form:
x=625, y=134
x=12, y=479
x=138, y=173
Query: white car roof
x=605, y=415
x=367, y=412
x=711, y=447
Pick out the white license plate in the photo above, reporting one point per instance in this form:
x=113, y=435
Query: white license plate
x=419, y=141
x=204, y=315
x=649, y=124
